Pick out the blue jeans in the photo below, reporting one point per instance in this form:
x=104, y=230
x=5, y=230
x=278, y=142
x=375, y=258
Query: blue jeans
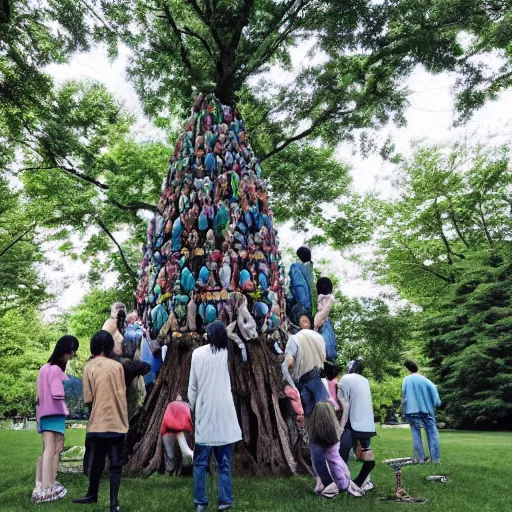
x=419, y=420
x=223, y=457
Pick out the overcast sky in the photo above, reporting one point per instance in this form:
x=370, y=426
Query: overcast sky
x=430, y=118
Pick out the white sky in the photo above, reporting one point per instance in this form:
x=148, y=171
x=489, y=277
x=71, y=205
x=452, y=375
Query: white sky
x=430, y=119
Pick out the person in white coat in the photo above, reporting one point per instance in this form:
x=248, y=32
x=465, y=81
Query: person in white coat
x=216, y=423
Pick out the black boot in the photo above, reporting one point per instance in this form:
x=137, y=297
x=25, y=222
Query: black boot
x=115, y=482
x=86, y=500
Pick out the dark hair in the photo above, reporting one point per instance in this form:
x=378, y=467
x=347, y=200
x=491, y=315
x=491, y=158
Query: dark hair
x=121, y=319
x=324, y=286
x=308, y=316
x=65, y=345
x=331, y=370
x=411, y=366
x=304, y=254
x=358, y=367
x=102, y=341
x=217, y=335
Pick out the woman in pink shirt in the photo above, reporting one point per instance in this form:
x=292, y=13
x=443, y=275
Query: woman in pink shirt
x=51, y=412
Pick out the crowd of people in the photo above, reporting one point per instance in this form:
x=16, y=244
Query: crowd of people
x=335, y=414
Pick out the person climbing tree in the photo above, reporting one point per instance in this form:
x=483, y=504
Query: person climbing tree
x=323, y=325
x=301, y=286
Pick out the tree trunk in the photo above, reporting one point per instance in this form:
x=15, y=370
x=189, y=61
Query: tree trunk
x=272, y=444
x=212, y=246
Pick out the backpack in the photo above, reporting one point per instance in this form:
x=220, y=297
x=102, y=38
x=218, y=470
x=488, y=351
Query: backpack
x=301, y=284
x=132, y=339
x=327, y=333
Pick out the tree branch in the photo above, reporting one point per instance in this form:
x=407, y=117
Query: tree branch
x=131, y=272
x=241, y=23
x=183, y=50
x=449, y=251
x=17, y=239
x=132, y=206
x=208, y=21
x=484, y=225
x=189, y=32
x=428, y=269
x=314, y=125
x=456, y=226
x=267, y=50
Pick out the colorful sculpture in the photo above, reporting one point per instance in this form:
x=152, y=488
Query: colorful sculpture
x=211, y=248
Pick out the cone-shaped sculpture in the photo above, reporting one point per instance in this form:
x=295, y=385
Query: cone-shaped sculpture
x=212, y=253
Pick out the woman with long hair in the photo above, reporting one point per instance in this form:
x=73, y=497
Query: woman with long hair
x=51, y=415
x=116, y=324
x=216, y=422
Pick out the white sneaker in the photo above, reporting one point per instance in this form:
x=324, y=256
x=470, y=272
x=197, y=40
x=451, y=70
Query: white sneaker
x=319, y=487
x=368, y=486
x=330, y=491
x=46, y=494
x=37, y=491
x=57, y=485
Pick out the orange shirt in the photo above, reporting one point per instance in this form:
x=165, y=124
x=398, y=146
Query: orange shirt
x=104, y=388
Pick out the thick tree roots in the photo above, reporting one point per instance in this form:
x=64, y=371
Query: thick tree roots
x=272, y=444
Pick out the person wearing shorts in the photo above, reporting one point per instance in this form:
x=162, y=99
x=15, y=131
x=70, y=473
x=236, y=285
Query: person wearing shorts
x=51, y=415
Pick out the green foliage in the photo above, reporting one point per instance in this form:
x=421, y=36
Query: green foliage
x=444, y=244
x=26, y=343
x=90, y=315
x=451, y=204
x=32, y=36
x=386, y=396
x=366, y=327
x=19, y=253
x=470, y=344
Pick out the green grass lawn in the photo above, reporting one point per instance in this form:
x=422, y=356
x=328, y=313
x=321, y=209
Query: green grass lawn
x=477, y=464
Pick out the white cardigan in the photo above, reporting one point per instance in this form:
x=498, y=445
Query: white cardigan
x=209, y=395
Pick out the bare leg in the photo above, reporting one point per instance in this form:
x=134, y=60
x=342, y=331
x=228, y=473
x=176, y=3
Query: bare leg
x=48, y=458
x=59, y=446
x=39, y=468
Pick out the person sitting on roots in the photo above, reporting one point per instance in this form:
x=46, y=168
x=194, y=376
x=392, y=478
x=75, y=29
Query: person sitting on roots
x=325, y=302
x=305, y=356
x=177, y=421
x=357, y=421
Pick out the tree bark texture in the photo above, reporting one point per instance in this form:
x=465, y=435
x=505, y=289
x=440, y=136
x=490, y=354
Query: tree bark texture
x=272, y=443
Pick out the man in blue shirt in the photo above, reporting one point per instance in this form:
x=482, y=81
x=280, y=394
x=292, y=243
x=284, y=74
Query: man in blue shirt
x=419, y=401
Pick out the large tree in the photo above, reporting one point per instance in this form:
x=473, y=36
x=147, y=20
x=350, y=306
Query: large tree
x=470, y=345
x=444, y=243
